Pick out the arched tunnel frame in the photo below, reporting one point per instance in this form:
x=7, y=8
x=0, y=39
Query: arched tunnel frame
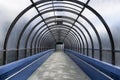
x=74, y=1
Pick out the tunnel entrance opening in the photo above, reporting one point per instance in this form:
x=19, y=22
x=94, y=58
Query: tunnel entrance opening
x=59, y=46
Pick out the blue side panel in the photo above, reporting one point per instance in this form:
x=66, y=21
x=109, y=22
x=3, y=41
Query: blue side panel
x=23, y=75
x=91, y=72
x=11, y=68
x=110, y=70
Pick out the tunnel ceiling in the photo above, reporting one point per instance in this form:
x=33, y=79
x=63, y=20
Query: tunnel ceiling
x=52, y=21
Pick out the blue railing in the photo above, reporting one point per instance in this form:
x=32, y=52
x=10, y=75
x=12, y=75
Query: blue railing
x=95, y=69
x=22, y=69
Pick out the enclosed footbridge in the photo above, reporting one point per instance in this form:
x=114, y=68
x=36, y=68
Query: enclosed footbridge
x=59, y=40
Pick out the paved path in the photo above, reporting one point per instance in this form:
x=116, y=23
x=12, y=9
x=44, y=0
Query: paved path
x=59, y=67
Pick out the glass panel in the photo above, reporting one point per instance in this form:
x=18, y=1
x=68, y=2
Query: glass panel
x=107, y=56
x=33, y=33
x=69, y=20
x=91, y=31
x=96, y=54
x=49, y=20
x=68, y=14
x=30, y=27
x=85, y=33
x=70, y=3
x=100, y=29
x=68, y=6
x=22, y=53
x=84, y=1
x=45, y=7
x=53, y=23
x=8, y=11
x=81, y=36
x=11, y=56
x=46, y=15
x=67, y=24
x=117, y=58
x=44, y=4
x=1, y=57
x=12, y=42
x=109, y=9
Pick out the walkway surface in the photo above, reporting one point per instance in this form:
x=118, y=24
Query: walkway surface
x=59, y=67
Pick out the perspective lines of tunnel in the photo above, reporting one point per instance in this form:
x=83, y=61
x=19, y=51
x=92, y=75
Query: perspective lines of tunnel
x=58, y=69
x=87, y=31
x=57, y=21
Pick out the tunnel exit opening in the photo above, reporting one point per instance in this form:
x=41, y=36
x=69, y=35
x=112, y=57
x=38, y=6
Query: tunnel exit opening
x=59, y=46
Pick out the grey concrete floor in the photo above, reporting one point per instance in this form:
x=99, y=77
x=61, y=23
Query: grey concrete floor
x=59, y=67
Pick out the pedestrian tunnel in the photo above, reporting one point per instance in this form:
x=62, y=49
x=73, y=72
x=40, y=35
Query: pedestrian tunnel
x=86, y=31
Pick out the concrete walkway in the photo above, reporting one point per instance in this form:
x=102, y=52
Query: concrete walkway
x=59, y=67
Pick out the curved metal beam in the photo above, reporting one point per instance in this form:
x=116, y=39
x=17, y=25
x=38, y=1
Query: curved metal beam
x=44, y=34
x=40, y=41
x=43, y=30
x=88, y=7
